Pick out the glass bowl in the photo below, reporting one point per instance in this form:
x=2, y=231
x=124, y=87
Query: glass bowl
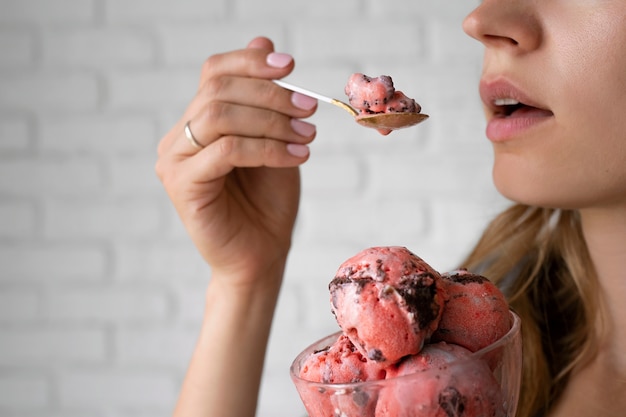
x=485, y=383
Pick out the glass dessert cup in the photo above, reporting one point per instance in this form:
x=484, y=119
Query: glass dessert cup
x=483, y=384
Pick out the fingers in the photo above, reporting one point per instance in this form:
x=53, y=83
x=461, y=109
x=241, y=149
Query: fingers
x=240, y=117
x=215, y=161
x=229, y=105
x=240, y=78
x=222, y=73
x=258, y=93
x=250, y=62
x=220, y=157
x=261, y=42
x=220, y=119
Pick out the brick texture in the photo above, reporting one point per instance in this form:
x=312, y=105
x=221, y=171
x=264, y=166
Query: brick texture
x=101, y=292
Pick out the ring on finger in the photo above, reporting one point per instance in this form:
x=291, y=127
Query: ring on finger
x=191, y=138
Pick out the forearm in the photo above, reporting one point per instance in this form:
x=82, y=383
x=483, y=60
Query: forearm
x=225, y=371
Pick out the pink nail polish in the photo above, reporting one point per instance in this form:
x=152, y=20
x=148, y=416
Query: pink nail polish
x=278, y=60
x=303, y=102
x=302, y=128
x=298, y=150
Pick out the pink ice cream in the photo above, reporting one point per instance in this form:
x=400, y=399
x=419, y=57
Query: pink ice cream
x=340, y=363
x=400, y=317
x=337, y=364
x=388, y=301
x=441, y=388
x=476, y=314
x=377, y=95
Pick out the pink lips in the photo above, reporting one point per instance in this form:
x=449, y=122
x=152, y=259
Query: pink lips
x=510, y=111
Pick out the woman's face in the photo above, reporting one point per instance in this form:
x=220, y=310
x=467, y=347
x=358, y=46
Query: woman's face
x=554, y=91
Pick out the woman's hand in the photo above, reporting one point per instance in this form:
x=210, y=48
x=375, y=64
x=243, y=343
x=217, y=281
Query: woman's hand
x=238, y=195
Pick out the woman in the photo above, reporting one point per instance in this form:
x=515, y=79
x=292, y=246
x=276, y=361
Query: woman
x=554, y=90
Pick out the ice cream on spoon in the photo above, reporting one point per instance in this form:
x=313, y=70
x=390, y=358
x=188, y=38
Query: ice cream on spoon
x=374, y=103
x=380, y=105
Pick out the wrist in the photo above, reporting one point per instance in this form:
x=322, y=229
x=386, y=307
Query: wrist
x=247, y=280
x=244, y=296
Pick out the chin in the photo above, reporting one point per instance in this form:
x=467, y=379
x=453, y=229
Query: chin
x=545, y=194
x=531, y=190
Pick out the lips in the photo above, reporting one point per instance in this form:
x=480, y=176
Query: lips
x=510, y=110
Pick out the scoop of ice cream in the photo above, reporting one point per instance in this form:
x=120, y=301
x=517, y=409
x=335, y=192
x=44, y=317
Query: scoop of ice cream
x=337, y=364
x=340, y=363
x=377, y=95
x=476, y=313
x=388, y=301
x=441, y=387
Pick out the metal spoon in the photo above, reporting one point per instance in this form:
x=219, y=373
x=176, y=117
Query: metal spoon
x=381, y=121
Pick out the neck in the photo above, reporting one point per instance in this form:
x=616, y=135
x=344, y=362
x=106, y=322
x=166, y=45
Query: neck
x=605, y=234
x=596, y=388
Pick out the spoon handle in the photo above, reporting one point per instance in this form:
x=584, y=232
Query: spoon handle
x=318, y=96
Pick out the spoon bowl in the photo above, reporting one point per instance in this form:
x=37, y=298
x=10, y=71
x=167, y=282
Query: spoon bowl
x=390, y=121
x=384, y=122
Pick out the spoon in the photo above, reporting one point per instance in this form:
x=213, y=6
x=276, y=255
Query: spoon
x=383, y=121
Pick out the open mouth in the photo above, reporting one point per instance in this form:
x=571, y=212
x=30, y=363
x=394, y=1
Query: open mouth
x=509, y=107
x=506, y=106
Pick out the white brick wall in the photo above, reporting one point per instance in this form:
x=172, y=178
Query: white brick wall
x=100, y=291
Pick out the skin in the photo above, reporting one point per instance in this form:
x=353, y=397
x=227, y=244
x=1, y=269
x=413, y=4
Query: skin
x=562, y=54
x=238, y=199
x=238, y=196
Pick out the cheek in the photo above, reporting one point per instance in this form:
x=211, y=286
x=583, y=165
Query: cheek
x=594, y=136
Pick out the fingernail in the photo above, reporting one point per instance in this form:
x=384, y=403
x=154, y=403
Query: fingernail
x=302, y=128
x=303, y=102
x=298, y=150
x=278, y=60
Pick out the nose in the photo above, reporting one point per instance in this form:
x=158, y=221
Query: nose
x=511, y=24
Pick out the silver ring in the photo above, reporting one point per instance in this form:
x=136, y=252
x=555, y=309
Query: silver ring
x=191, y=138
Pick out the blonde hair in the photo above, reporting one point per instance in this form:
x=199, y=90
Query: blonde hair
x=540, y=259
